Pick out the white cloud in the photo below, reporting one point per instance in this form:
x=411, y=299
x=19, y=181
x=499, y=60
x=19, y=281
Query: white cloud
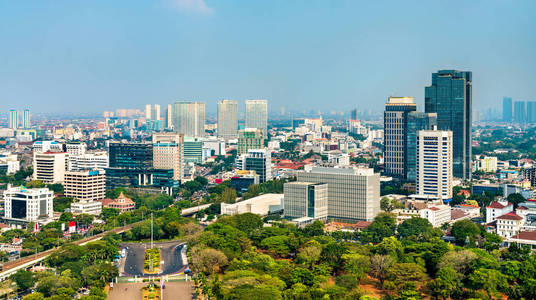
x=193, y=6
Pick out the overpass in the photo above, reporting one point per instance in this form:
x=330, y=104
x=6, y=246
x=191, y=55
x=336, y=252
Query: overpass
x=26, y=262
x=193, y=210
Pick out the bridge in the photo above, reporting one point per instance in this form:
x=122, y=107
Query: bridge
x=26, y=262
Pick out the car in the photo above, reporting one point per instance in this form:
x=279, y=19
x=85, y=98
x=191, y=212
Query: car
x=163, y=286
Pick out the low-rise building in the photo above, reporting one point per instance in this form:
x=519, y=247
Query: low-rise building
x=306, y=199
x=509, y=224
x=28, y=205
x=496, y=209
x=122, y=203
x=437, y=215
x=261, y=205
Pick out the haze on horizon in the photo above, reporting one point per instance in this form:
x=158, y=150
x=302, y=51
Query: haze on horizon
x=71, y=56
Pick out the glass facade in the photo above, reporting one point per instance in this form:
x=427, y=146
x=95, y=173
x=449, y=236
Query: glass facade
x=507, y=109
x=520, y=114
x=450, y=96
x=416, y=121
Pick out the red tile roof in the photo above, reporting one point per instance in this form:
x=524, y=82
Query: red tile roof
x=498, y=205
x=469, y=205
x=456, y=214
x=510, y=216
x=433, y=208
x=522, y=208
x=525, y=235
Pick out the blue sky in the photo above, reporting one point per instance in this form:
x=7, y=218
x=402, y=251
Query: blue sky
x=89, y=56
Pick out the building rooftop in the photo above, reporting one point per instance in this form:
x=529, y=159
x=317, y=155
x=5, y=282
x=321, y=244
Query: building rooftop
x=498, y=205
x=510, y=216
x=525, y=235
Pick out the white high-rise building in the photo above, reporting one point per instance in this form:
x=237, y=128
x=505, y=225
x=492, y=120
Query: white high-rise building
x=434, y=163
x=156, y=112
x=28, y=205
x=168, y=153
x=49, y=167
x=169, y=117
x=257, y=115
x=13, y=119
x=148, y=111
x=189, y=118
x=227, y=118
x=353, y=193
x=26, y=119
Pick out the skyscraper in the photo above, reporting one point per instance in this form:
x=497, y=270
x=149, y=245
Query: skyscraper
x=450, y=96
x=257, y=115
x=227, y=118
x=26, y=119
x=156, y=112
x=169, y=117
x=507, y=109
x=168, y=153
x=520, y=114
x=13, y=119
x=395, y=131
x=148, y=112
x=258, y=160
x=353, y=114
x=189, y=118
x=250, y=138
x=434, y=163
x=416, y=121
x=531, y=112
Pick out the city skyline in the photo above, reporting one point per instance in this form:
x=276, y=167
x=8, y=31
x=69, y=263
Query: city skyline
x=98, y=53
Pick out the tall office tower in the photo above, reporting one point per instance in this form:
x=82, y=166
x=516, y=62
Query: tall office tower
x=250, y=138
x=416, y=121
x=258, y=160
x=49, y=167
x=450, y=96
x=507, y=109
x=306, y=199
x=148, y=112
x=353, y=194
x=189, y=118
x=168, y=153
x=531, y=112
x=227, y=118
x=130, y=165
x=434, y=163
x=395, y=123
x=156, y=112
x=520, y=113
x=13, y=119
x=257, y=115
x=169, y=117
x=353, y=114
x=28, y=205
x=26, y=119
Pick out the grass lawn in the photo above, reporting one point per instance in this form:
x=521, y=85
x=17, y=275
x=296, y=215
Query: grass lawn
x=151, y=265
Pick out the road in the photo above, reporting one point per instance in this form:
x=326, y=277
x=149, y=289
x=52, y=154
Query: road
x=173, y=291
x=22, y=261
x=170, y=254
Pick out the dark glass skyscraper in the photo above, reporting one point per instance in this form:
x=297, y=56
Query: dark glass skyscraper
x=531, y=112
x=507, y=109
x=450, y=96
x=416, y=121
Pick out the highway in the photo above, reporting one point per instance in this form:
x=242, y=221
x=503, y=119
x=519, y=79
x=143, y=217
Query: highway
x=27, y=261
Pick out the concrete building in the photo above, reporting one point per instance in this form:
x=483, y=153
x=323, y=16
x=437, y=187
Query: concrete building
x=48, y=146
x=49, y=167
x=189, y=118
x=260, y=205
x=168, y=153
x=122, y=203
x=437, y=215
x=257, y=115
x=85, y=186
x=156, y=114
x=509, y=225
x=193, y=150
x=353, y=194
x=9, y=163
x=434, y=163
x=227, y=119
x=250, y=138
x=258, y=160
x=416, y=121
x=306, y=199
x=90, y=208
x=76, y=149
x=148, y=111
x=26, y=119
x=88, y=161
x=497, y=209
x=28, y=205
x=487, y=164
x=13, y=122
x=395, y=131
x=168, y=118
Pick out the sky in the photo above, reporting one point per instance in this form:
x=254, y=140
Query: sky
x=90, y=56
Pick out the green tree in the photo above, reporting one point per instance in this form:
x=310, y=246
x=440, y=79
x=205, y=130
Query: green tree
x=516, y=199
x=24, y=279
x=356, y=264
x=488, y=280
x=277, y=245
x=34, y=296
x=446, y=284
x=384, y=225
x=465, y=229
x=379, y=264
x=418, y=229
